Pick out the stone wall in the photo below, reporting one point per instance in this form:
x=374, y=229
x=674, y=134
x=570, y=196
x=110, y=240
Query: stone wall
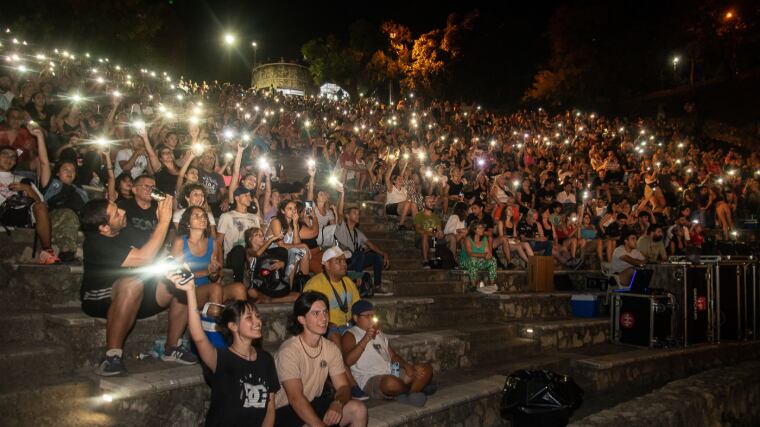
x=719, y=397
x=281, y=75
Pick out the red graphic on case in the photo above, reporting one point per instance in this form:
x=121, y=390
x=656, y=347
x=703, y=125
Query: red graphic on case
x=701, y=303
x=627, y=320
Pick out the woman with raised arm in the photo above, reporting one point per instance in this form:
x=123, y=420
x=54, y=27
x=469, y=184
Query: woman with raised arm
x=287, y=224
x=244, y=380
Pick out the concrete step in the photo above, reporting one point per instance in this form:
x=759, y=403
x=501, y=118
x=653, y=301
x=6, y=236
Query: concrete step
x=24, y=361
x=565, y=334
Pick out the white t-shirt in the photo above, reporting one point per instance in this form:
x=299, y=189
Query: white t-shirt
x=564, y=197
x=178, y=215
x=8, y=178
x=453, y=224
x=375, y=359
x=137, y=169
x=617, y=265
x=233, y=225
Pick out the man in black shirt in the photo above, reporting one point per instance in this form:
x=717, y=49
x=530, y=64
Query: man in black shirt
x=478, y=213
x=530, y=230
x=115, y=289
x=140, y=210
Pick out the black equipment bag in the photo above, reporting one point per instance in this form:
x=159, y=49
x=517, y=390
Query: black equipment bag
x=16, y=211
x=539, y=398
x=261, y=275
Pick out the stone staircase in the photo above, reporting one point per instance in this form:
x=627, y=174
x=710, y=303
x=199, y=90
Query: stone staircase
x=472, y=341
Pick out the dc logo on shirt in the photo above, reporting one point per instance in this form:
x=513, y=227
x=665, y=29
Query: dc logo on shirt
x=255, y=396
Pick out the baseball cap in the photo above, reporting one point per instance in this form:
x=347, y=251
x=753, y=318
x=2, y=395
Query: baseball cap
x=362, y=306
x=240, y=190
x=334, y=252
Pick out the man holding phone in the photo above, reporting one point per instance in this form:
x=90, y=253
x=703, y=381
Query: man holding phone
x=114, y=288
x=378, y=370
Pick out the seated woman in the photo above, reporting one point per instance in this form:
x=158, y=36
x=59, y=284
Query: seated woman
x=287, y=224
x=588, y=237
x=194, y=248
x=506, y=230
x=476, y=257
x=258, y=253
x=456, y=230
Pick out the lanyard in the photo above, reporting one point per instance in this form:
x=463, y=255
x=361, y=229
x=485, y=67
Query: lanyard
x=343, y=305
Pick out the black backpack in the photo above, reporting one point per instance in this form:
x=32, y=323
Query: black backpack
x=16, y=211
x=261, y=276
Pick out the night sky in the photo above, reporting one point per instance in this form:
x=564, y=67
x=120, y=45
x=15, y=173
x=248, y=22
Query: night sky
x=281, y=28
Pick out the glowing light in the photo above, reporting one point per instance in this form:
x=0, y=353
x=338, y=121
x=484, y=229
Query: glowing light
x=138, y=124
x=229, y=38
x=229, y=133
x=515, y=183
x=116, y=94
x=428, y=173
x=311, y=163
x=198, y=148
x=333, y=180
x=263, y=163
x=108, y=398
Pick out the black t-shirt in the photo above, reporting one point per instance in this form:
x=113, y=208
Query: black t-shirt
x=140, y=222
x=240, y=389
x=545, y=197
x=102, y=261
x=526, y=230
x=213, y=182
x=165, y=181
x=455, y=189
x=487, y=220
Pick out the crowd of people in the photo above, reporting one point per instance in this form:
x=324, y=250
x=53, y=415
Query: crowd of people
x=147, y=167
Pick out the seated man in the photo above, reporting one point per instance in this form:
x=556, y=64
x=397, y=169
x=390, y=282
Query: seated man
x=141, y=210
x=652, y=246
x=26, y=202
x=367, y=351
x=304, y=361
x=427, y=224
x=363, y=253
x=626, y=258
x=531, y=231
x=341, y=292
x=113, y=289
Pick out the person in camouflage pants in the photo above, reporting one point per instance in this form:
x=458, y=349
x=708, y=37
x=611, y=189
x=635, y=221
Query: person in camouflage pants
x=65, y=224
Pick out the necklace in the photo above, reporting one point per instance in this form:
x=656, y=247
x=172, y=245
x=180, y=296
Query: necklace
x=246, y=357
x=307, y=353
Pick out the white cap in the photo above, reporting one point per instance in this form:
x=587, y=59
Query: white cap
x=334, y=252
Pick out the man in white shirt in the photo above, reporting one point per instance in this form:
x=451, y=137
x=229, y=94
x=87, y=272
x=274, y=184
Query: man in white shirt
x=567, y=195
x=626, y=258
x=231, y=231
x=132, y=160
x=369, y=355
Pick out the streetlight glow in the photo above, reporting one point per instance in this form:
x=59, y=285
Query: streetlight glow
x=229, y=38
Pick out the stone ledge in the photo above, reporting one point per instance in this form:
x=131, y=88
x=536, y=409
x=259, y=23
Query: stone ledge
x=723, y=396
x=647, y=355
x=139, y=384
x=394, y=413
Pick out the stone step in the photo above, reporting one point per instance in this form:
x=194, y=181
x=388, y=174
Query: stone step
x=22, y=327
x=565, y=334
x=503, y=350
x=531, y=305
x=38, y=286
x=15, y=243
x=643, y=367
x=425, y=288
x=83, y=337
x=22, y=361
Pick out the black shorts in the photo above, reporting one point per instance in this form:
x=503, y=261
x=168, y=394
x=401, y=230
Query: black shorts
x=287, y=417
x=391, y=209
x=148, y=306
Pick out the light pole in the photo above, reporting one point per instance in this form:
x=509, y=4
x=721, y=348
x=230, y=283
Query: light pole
x=255, y=50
